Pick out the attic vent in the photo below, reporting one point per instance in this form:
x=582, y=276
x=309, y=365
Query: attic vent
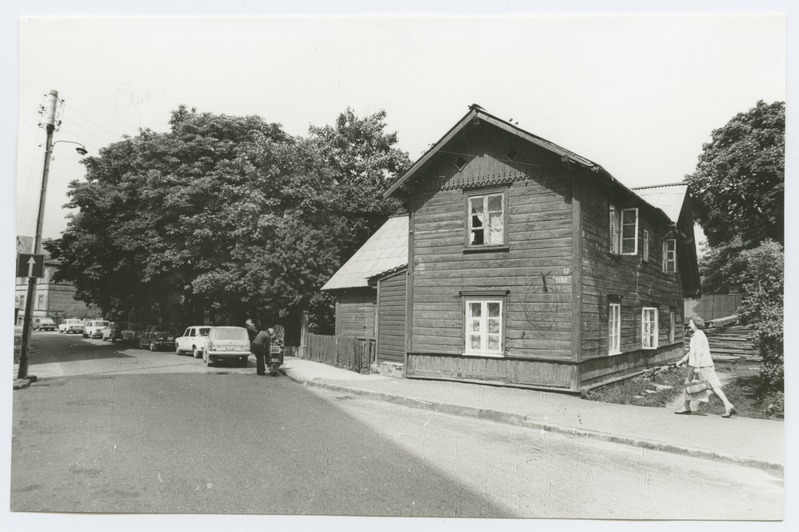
x=512, y=154
x=460, y=162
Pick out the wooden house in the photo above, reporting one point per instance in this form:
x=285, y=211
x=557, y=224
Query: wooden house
x=370, y=291
x=532, y=266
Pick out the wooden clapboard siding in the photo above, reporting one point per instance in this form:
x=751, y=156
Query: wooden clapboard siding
x=538, y=233
x=391, y=318
x=355, y=312
x=515, y=372
x=636, y=282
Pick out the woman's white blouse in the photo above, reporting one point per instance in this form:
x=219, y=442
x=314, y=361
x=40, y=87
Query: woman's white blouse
x=699, y=351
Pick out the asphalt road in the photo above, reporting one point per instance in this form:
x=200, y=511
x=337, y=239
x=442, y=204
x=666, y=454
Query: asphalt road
x=109, y=429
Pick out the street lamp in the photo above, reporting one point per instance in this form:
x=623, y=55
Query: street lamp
x=81, y=149
x=37, y=244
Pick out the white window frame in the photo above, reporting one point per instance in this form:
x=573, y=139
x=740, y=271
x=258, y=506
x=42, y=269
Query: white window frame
x=483, y=327
x=669, y=256
x=614, y=328
x=634, y=238
x=672, y=326
x=645, y=244
x=486, y=219
x=613, y=228
x=649, y=328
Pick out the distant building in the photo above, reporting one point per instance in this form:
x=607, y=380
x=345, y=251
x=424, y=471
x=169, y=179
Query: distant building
x=53, y=300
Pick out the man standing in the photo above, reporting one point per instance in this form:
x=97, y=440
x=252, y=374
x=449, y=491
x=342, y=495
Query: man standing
x=259, y=344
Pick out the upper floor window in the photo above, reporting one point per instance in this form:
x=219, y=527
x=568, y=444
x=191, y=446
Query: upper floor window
x=486, y=219
x=623, y=230
x=672, y=326
x=629, y=231
x=669, y=256
x=613, y=229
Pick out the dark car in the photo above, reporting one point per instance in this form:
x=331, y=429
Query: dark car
x=158, y=337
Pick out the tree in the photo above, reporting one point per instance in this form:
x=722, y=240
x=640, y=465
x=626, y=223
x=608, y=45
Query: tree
x=738, y=199
x=738, y=185
x=226, y=217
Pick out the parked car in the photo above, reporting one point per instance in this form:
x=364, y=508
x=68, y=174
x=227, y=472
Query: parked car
x=157, y=337
x=94, y=329
x=44, y=324
x=71, y=325
x=227, y=343
x=113, y=332
x=132, y=332
x=194, y=340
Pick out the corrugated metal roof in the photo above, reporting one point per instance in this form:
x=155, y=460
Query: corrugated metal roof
x=385, y=250
x=667, y=198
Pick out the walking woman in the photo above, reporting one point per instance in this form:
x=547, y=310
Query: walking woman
x=701, y=365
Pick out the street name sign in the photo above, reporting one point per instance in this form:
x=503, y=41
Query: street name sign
x=30, y=265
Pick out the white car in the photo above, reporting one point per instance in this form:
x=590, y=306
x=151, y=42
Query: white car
x=94, y=328
x=71, y=325
x=194, y=340
x=227, y=343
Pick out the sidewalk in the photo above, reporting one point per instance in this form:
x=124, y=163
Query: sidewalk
x=751, y=442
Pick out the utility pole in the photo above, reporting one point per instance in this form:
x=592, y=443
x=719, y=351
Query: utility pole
x=37, y=244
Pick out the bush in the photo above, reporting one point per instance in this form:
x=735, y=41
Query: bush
x=762, y=282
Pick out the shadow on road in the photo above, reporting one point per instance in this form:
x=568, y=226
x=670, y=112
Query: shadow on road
x=48, y=348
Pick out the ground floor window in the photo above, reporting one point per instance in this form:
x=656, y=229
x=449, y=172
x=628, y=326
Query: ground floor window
x=614, y=328
x=672, y=327
x=484, y=327
x=649, y=328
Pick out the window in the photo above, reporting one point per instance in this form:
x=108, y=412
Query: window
x=40, y=302
x=649, y=328
x=484, y=327
x=486, y=220
x=669, y=256
x=623, y=230
x=613, y=215
x=672, y=326
x=645, y=243
x=614, y=328
x=629, y=231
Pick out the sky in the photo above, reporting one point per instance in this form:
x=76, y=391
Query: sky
x=636, y=87
x=639, y=95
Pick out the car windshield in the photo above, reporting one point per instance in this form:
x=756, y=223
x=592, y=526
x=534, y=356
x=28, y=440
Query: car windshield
x=230, y=333
x=72, y=322
x=162, y=329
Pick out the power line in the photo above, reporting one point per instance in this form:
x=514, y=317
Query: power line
x=92, y=121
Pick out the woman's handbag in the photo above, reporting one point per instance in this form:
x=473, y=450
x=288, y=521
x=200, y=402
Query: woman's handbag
x=697, y=386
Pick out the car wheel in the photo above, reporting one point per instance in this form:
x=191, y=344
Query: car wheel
x=196, y=353
x=244, y=362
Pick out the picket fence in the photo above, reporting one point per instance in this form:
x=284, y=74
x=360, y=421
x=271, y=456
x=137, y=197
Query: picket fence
x=348, y=352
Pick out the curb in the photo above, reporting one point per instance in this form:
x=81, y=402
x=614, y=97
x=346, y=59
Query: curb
x=523, y=421
x=20, y=384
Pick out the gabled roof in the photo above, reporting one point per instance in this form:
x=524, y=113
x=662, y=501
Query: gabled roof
x=667, y=198
x=385, y=250
x=476, y=114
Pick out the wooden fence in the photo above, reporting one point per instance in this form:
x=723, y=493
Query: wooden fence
x=712, y=306
x=348, y=352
